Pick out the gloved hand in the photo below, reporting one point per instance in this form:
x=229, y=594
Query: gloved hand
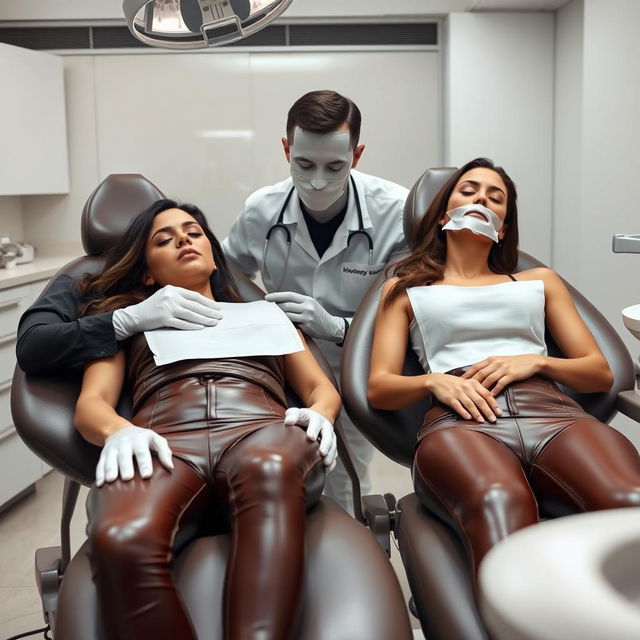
x=119, y=449
x=312, y=318
x=317, y=426
x=171, y=307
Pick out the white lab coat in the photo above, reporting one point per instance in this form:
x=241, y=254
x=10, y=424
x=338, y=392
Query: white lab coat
x=338, y=280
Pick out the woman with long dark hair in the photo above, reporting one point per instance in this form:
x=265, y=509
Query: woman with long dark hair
x=223, y=436
x=499, y=432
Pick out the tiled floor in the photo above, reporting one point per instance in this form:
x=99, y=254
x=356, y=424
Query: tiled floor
x=34, y=522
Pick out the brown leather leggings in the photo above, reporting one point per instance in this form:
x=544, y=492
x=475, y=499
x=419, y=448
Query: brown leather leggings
x=483, y=479
x=229, y=445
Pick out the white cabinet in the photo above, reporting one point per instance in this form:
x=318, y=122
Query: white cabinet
x=19, y=468
x=33, y=128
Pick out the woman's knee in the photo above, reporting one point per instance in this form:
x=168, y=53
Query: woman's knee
x=621, y=496
x=125, y=541
x=502, y=502
x=269, y=464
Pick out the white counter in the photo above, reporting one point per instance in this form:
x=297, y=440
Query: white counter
x=40, y=269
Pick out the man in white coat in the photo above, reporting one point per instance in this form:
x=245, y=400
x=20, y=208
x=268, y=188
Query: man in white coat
x=320, y=237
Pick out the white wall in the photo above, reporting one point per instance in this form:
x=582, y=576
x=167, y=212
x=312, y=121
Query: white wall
x=610, y=167
x=206, y=128
x=596, y=159
x=499, y=103
x=598, y=138
x=568, y=179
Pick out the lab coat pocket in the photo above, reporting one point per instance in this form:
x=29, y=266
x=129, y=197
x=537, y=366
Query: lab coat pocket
x=355, y=280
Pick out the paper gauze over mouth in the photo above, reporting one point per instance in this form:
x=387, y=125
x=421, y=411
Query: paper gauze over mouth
x=459, y=219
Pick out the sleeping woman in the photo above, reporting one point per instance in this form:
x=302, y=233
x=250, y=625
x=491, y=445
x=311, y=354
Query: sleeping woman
x=220, y=432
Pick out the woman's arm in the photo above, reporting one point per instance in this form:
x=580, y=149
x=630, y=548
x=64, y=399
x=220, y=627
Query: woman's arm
x=99, y=423
x=306, y=378
x=584, y=368
x=389, y=389
x=96, y=418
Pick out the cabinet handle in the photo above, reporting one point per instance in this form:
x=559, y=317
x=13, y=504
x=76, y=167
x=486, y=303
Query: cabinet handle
x=10, y=303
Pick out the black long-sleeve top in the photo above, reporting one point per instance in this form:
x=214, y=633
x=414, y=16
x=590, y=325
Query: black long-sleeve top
x=51, y=336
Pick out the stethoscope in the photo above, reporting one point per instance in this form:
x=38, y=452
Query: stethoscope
x=280, y=225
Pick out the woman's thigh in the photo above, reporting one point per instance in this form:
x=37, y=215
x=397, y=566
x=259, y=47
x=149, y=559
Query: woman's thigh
x=457, y=470
x=270, y=456
x=150, y=509
x=591, y=465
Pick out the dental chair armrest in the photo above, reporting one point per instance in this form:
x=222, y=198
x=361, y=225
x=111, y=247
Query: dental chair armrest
x=380, y=515
x=629, y=404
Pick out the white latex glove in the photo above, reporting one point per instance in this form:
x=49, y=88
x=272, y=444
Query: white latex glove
x=169, y=307
x=318, y=428
x=116, y=459
x=312, y=318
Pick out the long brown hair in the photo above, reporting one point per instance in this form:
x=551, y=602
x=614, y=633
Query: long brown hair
x=120, y=283
x=425, y=263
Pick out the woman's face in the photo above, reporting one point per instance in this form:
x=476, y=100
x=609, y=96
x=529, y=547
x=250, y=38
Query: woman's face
x=480, y=186
x=178, y=252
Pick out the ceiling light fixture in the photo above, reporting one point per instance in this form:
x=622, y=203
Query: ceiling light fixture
x=195, y=24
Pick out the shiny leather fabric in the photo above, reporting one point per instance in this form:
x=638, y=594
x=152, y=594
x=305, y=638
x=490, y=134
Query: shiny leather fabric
x=230, y=447
x=484, y=479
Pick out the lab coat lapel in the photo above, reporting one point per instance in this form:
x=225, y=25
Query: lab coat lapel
x=350, y=223
x=293, y=214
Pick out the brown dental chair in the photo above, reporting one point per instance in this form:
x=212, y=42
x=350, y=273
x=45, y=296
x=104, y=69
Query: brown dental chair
x=432, y=554
x=350, y=589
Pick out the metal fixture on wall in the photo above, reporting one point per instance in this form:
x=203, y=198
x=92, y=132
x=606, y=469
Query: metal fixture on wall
x=194, y=24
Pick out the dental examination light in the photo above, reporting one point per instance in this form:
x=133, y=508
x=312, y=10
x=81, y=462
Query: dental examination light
x=195, y=24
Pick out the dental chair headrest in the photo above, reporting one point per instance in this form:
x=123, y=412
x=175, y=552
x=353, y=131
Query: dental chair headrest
x=421, y=196
x=110, y=208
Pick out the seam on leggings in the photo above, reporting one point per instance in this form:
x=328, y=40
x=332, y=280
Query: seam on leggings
x=153, y=411
x=233, y=548
x=179, y=518
x=523, y=450
x=570, y=492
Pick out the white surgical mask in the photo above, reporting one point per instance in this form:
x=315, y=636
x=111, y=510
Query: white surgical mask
x=320, y=165
x=487, y=226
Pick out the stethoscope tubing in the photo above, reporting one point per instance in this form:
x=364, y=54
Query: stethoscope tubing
x=280, y=225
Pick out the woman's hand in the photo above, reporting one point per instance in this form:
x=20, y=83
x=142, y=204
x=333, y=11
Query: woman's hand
x=317, y=427
x=497, y=372
x=116, y=459
x=468, y=398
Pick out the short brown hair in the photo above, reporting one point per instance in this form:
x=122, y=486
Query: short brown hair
x=324, y=112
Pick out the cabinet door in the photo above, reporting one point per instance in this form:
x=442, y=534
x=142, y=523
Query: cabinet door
x=19, y=468
x=33, y=126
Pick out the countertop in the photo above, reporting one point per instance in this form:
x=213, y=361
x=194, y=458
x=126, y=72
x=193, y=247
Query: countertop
x=40, y=269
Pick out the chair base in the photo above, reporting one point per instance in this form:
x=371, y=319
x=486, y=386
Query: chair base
x=48, y=577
